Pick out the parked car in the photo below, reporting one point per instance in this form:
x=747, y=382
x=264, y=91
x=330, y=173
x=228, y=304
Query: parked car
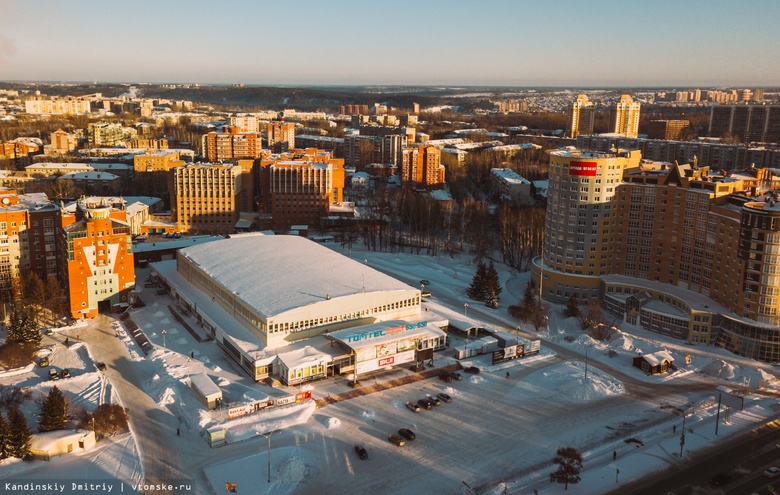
x=425, y=403
x=720, y=479
x=396, y=440
x=456, y=376
x=101, y=366
x=65, y=373
x=446, y=377
x=407, y=434
x=425, y=293
x=53, y=375
x=413, y=407
x=771, y=472
x=472, y=369
x=361, y=452
x=444, y=397
x=44, y=362
x=434, y=400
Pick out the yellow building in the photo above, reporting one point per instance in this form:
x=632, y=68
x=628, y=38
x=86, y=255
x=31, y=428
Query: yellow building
x=624, y=117
x=581, y=117
x=281, y=136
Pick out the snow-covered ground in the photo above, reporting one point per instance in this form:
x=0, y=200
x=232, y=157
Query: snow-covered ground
x=498, y=435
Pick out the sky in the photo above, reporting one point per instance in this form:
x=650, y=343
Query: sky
x=355, y=42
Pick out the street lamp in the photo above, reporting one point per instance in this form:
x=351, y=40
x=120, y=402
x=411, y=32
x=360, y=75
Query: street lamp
x=163, y=334
x=268, y=437
x=466, y=309
x=517, y=335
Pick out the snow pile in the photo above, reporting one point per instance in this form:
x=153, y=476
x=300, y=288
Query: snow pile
x=332, y=423
x=568, y=379
x=368, y=414
x=719, y=369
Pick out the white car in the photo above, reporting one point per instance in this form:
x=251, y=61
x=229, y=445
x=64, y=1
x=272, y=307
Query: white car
x=772, y=472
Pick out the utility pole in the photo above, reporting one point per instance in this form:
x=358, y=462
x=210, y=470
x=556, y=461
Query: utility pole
x=682, y=436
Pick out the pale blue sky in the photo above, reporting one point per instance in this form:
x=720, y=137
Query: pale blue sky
x=452, y=42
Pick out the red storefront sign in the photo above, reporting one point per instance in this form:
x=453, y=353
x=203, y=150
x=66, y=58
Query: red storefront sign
x=587, y=169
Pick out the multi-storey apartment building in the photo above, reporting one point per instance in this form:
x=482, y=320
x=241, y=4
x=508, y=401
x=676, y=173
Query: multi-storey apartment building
x=231, y=145
x=281, y=136
x=508, y=185
x=624, y=117
x=208, y=198
x=106, y=135
x=677, y=249
x=63, y=142
x=57, y=106
x=245, y=122
x=299, y=186
x=580, y=117
x=749, y=123
x=97, y=257
x=666, y=129
x=421, y=167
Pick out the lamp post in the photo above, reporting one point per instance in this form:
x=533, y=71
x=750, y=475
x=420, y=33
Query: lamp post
x=163, y=334
x=517, y=335
x=466, y=309
x=268, y=437
x=682, y=435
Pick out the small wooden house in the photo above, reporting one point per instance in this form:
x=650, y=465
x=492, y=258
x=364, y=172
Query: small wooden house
x=655, y=363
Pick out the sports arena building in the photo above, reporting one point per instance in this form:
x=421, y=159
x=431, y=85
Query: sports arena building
x=290, y=309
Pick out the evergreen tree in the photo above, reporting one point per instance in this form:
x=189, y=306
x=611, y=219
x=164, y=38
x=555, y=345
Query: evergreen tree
x=3, y=437
x=572, y=309
x=54, y=411
x=55, y=296
x=478, y=288
x=19, y=435
x=526, y=307
x=493, y=282
x=23, y=328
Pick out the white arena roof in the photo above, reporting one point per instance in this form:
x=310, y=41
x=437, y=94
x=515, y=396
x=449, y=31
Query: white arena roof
x=274, y=274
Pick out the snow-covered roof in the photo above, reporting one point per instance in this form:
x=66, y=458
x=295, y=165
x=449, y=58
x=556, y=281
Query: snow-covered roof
x=384, y=332
x=90, y=176
x=657, y=358
x=204, y=385
x=48, y=440
x=300, y=271
x=304, y=356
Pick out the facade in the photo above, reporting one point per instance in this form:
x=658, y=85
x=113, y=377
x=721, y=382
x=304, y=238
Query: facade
x=581, y=117
x=14, y=243
x=20, y=150
x=245, y=122
x=669, y=130
x=63, y=142
x=749, y=123
x=281, y=136
x=99, y=183
x=231, y=145
x=107, y=135
x=97, y=256
x=677, y=249
x=48, y=169
x=208, y=198
x=316, y=291
x=57, y=106
x=624, y=117
x=299, y=187
x=421, y=167
x=510, y=186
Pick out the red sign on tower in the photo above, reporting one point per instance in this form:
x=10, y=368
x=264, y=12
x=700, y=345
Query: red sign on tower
x=583, y=168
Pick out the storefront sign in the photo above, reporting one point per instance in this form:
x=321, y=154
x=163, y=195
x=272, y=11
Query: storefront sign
x=373, y=334
x=235, y=412
x=375, y=364
x=281, y=401
x=303, y=396
x=583, y=168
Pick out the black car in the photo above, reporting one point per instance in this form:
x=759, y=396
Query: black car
x=444, y=397
x=65, y=373
x=425, y=403
x=101, y=366
x=393, y=438
x=456, y=376
x=446, y=377
x=472, y=369
x=361, y=452
x=407, y=434
x=720, y=479
x=434, y=400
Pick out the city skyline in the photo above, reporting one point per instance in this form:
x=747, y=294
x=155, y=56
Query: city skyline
x=607, y=44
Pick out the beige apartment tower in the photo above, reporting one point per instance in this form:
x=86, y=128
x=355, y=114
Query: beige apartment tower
x=624, y=117
x=581, y=116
